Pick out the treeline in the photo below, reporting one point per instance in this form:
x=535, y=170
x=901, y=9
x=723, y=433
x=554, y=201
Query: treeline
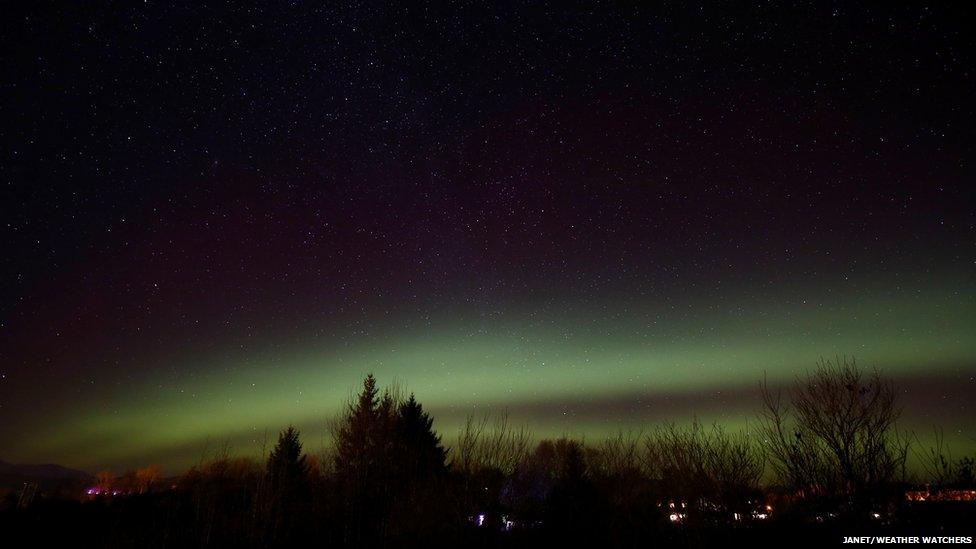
x=826, y=455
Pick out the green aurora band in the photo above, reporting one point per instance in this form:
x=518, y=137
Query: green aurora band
x=585, y=371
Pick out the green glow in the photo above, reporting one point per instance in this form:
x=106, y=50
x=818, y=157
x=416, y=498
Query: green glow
x=469, y=363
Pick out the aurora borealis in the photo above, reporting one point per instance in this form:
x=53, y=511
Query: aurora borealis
x=217, y=221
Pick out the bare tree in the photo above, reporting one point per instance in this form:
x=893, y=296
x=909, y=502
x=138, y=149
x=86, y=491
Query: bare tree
x=619, y=456
x=105, y=481
x=712, y=469
x=939, y=468
x=491, y=443
x=147, y=477
x=837, y=435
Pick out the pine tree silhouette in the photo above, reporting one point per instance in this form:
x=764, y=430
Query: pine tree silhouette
x=356, y=437
x=286, y=487
x=287, y=467
x=362, y=462
x=419, y=512
x=421, y=453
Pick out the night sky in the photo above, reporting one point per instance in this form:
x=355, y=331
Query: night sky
x=217, y=220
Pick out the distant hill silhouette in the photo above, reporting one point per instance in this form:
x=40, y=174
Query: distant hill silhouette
x=44, y=471
x=48, y=476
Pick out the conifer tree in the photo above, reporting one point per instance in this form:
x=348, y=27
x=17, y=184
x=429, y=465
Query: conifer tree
x=287, y=467
x=361, y=462
x=420, y=450
x=286, y=487
x=356, y=437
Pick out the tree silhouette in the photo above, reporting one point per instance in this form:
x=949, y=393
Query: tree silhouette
x=105, y=481
x=571, y=508
x=147, y=477
x=287, y=467
x=837, y=435
x=421, y=507
x=711, y=471
x=286, y=487
x=421, y=454
x=354, y=437
x=363, y=461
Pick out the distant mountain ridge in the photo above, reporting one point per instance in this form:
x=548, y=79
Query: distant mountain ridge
x=44, y=471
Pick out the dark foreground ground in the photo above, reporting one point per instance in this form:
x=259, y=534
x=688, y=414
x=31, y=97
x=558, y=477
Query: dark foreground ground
x=149, y=522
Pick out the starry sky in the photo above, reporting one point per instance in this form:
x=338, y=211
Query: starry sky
x=216, y=219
